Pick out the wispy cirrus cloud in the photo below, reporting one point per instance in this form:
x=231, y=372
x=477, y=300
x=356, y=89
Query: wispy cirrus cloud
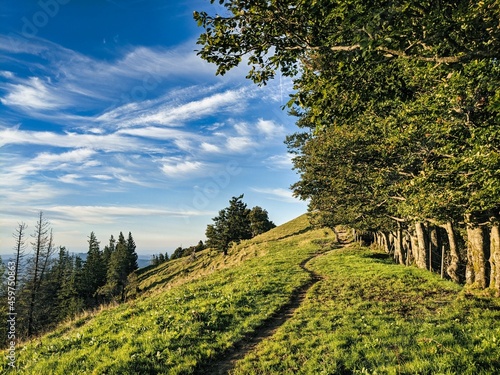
x=277, y=194
x=178, y=167
x=282, y=161
x=108, y=213
x=34, y=94
x=46, y=161
x=106, y=142
x=68, y=79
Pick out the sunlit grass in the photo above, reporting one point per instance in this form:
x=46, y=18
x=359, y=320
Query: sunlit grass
x=369, y=316
x=192, y=311
x=365, y=316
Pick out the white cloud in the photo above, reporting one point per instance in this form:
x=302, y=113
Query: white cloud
x=277, y=194
x=105, y=142
x=109, y=214
x=279, y=161
x=208, y=147
x=176, y=167
x=71, y=178
x=170, y=110
x=269, y=128
x=23, y=195
x=6, y=74
x=239, y=144
x=47, y=161
x=242, y=129
x=34, y=94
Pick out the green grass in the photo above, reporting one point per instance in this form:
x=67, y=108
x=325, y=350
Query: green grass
x=191, y=311
x=369, y=316
x=366, y=316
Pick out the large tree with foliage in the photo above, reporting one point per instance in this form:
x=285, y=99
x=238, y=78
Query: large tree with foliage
x=399, y=104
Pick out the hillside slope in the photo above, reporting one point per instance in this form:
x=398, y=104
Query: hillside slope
x=363, y=315
x=190, y=310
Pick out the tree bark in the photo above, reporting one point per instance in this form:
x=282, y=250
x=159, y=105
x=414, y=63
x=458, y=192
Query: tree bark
x=454, y=255
x=407, y=248
x=434, y=248
x=421, y=251
x=495, y=257
x=398, y=246
x=476, y=256
x=387, y=245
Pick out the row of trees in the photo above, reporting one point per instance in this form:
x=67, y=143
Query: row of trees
x=179, y=252
x=398, y=103
x=236, y=223
x=50, y=284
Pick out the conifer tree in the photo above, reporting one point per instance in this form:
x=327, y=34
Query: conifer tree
x=131, y=254
x=231, y=225
x=118, y=270
x=42, y=247
x=93, y=273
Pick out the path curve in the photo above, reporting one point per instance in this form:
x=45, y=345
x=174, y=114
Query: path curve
x=226, y=361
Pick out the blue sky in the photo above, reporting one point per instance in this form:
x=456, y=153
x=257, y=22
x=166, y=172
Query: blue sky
x=109, y=122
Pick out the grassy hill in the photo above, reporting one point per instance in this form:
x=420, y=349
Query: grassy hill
x=361, y=315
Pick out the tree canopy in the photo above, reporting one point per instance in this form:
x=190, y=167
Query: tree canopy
x=235, y=223
x=397, y=102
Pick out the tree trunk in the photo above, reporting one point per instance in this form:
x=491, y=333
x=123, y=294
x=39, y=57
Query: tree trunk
x=476, y=256
x=454, y=255
x=414, y=247
x=387, y=245
x=407, y=248
x=398, y=246
x=421, y=251
x=495, y=257
x=434, y=248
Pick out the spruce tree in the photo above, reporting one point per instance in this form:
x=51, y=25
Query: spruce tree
x=231, y=225
x=131, y=254
x=93, y=273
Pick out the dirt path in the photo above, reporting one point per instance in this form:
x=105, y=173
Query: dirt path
x=226, y=361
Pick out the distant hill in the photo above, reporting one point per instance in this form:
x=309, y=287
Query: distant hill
x=291, y=300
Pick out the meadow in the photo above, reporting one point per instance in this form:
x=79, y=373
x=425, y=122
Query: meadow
x=362, y=315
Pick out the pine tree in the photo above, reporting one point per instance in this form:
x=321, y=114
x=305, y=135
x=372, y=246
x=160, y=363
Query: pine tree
x=93, y=273
x=43, y=249
x=232, y=225
x=108, y=250
x=131, y=254
x=119, y=265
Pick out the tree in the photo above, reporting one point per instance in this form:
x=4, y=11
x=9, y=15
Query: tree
x=68, y=275
x=108, y=250
x=277, y=35
x=131, y=254
x=43, y=249
x=259, y=221
x=399, y=104
x=231, y=225
x=123, y=261
x=93, y=273
x=178, y=253
x=19, y=249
